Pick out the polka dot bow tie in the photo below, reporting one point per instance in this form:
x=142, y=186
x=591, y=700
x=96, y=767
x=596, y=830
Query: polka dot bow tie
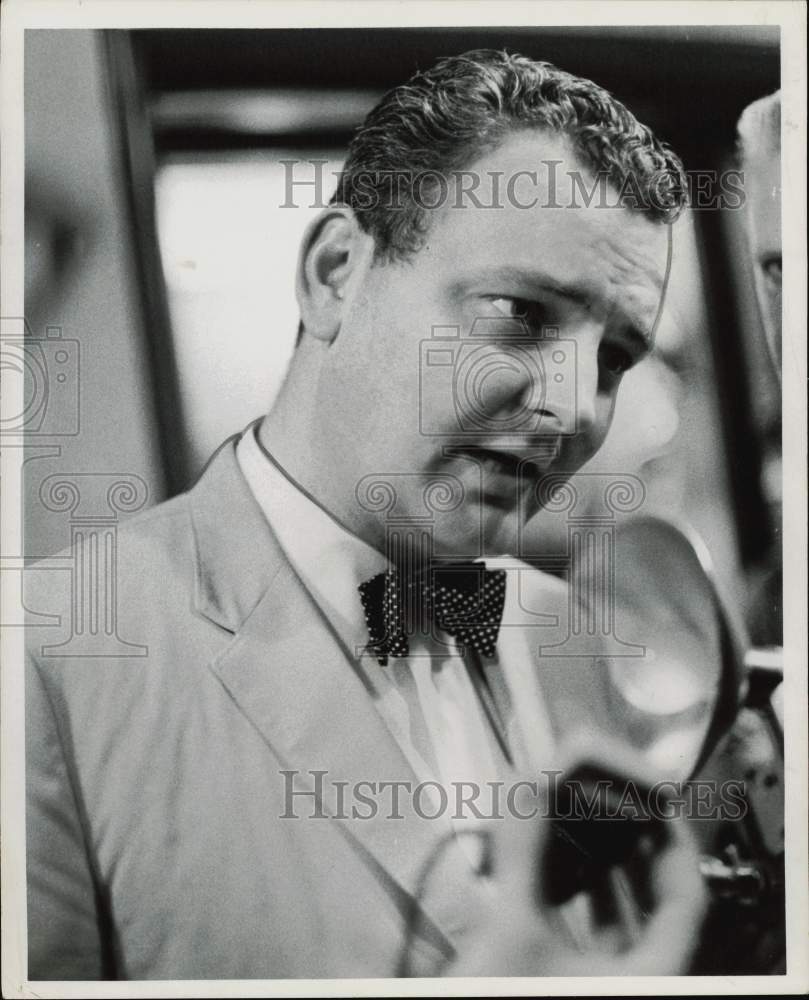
x=464, y=599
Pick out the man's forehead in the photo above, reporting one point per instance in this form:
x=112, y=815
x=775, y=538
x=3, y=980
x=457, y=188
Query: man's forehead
x=534, y=189
x=550, y=154
x=763, y=188
x=581, y=251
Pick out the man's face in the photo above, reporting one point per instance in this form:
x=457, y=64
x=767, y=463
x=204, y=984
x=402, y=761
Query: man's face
x=406, y=397
x=763, y=181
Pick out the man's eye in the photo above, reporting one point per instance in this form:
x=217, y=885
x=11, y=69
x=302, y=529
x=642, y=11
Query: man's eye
x=513, y=308
x=528, y=311
x=772, y=271
x=614, y=359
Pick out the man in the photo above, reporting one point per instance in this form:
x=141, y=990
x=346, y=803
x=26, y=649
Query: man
x=759, y=141
x=239, y=802
x=759, y=131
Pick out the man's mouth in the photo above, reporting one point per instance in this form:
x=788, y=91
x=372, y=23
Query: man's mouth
x=503, y=463
x=497, y=463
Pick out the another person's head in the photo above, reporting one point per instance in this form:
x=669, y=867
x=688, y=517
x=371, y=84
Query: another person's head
x=759, y=132
x=493, y=261
x=760, y=146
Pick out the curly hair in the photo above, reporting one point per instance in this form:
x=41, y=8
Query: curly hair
x=447, y=117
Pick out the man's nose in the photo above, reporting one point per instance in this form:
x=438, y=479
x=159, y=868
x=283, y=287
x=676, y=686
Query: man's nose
x=571, y=385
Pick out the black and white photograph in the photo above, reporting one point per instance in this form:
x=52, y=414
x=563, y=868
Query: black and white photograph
x=404, y=499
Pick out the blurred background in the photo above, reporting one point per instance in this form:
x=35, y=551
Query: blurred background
x=157, y=241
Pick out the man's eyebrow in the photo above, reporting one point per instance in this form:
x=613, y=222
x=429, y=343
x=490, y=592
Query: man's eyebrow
x=533, y=280
x=538, y=281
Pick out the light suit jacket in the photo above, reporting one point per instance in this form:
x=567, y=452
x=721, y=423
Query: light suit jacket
x=156, y=843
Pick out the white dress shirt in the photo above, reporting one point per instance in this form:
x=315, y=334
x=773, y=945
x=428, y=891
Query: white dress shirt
x=456, y=718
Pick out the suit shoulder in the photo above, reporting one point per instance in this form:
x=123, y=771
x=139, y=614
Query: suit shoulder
x=151, y=550
x=162, y=520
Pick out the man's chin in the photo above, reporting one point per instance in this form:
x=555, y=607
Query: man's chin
x=485, y=529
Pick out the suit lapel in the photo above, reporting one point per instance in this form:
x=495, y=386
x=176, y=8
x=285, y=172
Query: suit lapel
x=237, y=555
x=288, y=672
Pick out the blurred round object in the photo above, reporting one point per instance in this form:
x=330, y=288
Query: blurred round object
x=677, y=686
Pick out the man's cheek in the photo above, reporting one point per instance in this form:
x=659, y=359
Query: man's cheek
x=591, y=439
x=605, y=411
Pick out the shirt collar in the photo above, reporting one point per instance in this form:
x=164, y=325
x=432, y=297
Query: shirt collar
x=330, y=560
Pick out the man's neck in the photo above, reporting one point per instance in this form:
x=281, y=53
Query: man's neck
x=289, y=437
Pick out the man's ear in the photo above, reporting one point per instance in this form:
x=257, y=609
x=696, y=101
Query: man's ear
x=333, y=248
